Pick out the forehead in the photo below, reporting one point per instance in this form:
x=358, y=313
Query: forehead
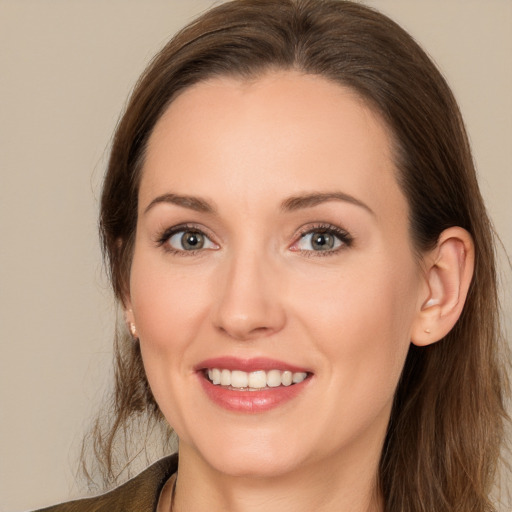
x=284, y=132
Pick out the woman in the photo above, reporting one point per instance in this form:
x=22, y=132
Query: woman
x=295, y=233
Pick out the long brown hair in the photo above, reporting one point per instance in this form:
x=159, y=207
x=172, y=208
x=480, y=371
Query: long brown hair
x=447, y=425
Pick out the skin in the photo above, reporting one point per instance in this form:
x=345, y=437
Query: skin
x=258, y=289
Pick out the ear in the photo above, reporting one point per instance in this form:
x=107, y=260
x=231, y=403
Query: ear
x=126, y=301
x=448, y=272
x=129, y=318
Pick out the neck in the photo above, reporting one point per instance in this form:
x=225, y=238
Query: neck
x=328, y=486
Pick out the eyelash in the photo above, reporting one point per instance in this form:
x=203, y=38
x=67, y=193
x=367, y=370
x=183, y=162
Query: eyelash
x=163, y=238
x=343, y=236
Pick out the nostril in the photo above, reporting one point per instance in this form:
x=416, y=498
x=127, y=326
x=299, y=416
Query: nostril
x=243, y=332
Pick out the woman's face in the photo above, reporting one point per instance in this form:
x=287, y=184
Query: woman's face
x=272, y=246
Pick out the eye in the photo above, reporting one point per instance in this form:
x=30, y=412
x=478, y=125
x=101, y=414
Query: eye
x=186, y=240
x=322, y=239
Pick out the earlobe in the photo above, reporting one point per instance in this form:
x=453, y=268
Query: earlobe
x=130, y=320
x=448, y=273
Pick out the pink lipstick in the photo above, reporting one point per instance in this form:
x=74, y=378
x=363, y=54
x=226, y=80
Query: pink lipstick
x=251, y=385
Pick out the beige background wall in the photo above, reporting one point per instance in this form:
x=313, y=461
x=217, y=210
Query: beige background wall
x=66, y=67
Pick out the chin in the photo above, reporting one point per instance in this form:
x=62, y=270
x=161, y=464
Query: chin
x=261, y=465
x=255, y=457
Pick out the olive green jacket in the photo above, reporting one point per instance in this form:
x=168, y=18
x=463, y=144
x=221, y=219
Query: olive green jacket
x=140, y=494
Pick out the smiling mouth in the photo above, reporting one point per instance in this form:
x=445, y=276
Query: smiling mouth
x=253, y=381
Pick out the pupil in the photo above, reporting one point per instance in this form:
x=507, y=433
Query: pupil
x=192, y=240
x=322, y=241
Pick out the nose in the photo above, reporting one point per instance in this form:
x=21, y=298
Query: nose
x=249, y=300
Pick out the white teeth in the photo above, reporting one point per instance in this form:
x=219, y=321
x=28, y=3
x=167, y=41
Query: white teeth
x=239, y=379
x=225, y=378
x=215, y=377
x=287, y=378
x=255, y=380
x=273, y=378
x=299, y=377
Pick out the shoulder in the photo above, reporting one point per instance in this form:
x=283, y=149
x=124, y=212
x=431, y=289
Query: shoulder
x=140, y=494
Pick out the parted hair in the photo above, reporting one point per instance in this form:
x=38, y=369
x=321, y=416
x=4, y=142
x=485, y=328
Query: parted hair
x=448, y=422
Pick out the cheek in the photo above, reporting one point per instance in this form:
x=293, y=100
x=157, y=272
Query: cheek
x=360, y=321
x=167, y=303
x=168, y=307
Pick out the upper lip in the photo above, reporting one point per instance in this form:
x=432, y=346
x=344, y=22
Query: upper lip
x=248, y=365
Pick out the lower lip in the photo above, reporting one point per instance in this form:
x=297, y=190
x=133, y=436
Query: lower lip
x=251, y=401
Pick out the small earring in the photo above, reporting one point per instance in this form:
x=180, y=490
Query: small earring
x=133, y=329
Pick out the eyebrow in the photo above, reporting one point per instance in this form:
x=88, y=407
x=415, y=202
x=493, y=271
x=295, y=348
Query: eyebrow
x=309, y=200
x=192, y=203
x=290, y=204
